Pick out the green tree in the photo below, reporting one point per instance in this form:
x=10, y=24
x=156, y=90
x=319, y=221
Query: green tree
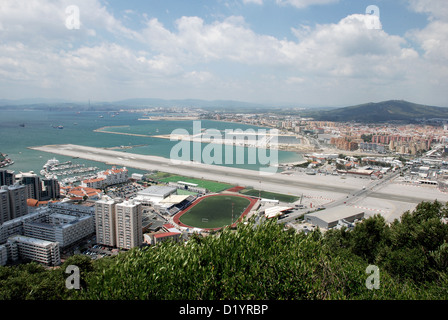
x=369, y=237
x=416, y=247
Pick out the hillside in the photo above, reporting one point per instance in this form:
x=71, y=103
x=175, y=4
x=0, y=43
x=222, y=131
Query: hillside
x=262, y=262
x=392, y=110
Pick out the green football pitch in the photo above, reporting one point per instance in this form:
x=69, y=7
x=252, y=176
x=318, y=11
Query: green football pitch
x=209, y=185
x=270, y=195
x=215, y=211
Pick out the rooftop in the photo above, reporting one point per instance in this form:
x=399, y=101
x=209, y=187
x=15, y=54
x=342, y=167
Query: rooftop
x=34, y=241
x=165, y=234
x=157, y=191
x=336, y=213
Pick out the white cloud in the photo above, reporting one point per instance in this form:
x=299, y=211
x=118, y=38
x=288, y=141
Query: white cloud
x=259, y=2
x=435, y=8
x=304, y=3
x=217, y=59
x=335, y=49
x=433, y=39
x=44, y=22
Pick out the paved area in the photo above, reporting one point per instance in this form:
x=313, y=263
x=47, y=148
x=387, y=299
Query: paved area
x=388, y=198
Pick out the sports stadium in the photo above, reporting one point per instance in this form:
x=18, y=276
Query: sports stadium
x=215, y=211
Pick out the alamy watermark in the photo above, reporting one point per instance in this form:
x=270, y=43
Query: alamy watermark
x=373, y=21
x=373, y=280
x=72, y=20
x=261, y=146
x=73, y=281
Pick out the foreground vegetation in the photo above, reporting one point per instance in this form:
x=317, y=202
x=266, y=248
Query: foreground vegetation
x=263, y=262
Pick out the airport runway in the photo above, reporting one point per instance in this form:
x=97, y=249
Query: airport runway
x=276, y=182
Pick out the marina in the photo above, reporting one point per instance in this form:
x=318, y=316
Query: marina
x=67, y=172
x=4, y=161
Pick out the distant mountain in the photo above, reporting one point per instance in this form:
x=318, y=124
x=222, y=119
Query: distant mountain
x=31, y=101
x=392, y=110
x=153, y=102
x=231, y=105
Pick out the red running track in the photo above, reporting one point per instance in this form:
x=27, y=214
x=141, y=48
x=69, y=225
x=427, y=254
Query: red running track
x=253, y=201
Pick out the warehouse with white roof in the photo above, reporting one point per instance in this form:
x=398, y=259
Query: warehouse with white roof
x=329, y=218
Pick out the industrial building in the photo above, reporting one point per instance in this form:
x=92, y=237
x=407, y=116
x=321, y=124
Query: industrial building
x=154, y=194
x=329, y=218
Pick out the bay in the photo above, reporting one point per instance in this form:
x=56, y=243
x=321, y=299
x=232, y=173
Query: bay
x=40, y=128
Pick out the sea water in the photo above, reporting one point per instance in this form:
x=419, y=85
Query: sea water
x=41, y=128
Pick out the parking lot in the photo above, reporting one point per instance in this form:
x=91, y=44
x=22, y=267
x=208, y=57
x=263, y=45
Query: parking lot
x=97, y=251
x=128, y=190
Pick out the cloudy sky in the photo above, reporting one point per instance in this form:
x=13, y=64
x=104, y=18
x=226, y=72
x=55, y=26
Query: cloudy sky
x=300, y=52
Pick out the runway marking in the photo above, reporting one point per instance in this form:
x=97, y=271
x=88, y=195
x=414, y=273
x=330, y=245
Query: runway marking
x=371, y=209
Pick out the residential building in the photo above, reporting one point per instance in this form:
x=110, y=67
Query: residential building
x=81, y=193
x=65, y=229
x=94, y=183
x=17, y=201
x=114, y=176
x=32, y=183
x=129, y=231
x=62, y=223
x=105, y=221
x=42, y=251
x=12, y=202
x=3, y=255
x=5, y=211
x=7, y=177
x=50, y=190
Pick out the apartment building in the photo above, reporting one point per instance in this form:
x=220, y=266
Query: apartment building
x=114, y=176
x=62, y=228
x=17, y=201
x=12, y=202
x=119, y=224
x=5, y=212
x=129, y=224
x=7, y=177
x=105, y=221
x=3, y=255
x=53, y=224
x=42, y=251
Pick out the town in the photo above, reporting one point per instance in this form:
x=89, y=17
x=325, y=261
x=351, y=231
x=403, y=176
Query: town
x=72, y=209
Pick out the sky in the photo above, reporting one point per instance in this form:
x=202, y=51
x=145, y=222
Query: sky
x=300, y=53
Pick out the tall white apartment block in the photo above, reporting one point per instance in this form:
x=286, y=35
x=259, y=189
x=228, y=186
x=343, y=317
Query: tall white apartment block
x=129, y=224
x=105, y=222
